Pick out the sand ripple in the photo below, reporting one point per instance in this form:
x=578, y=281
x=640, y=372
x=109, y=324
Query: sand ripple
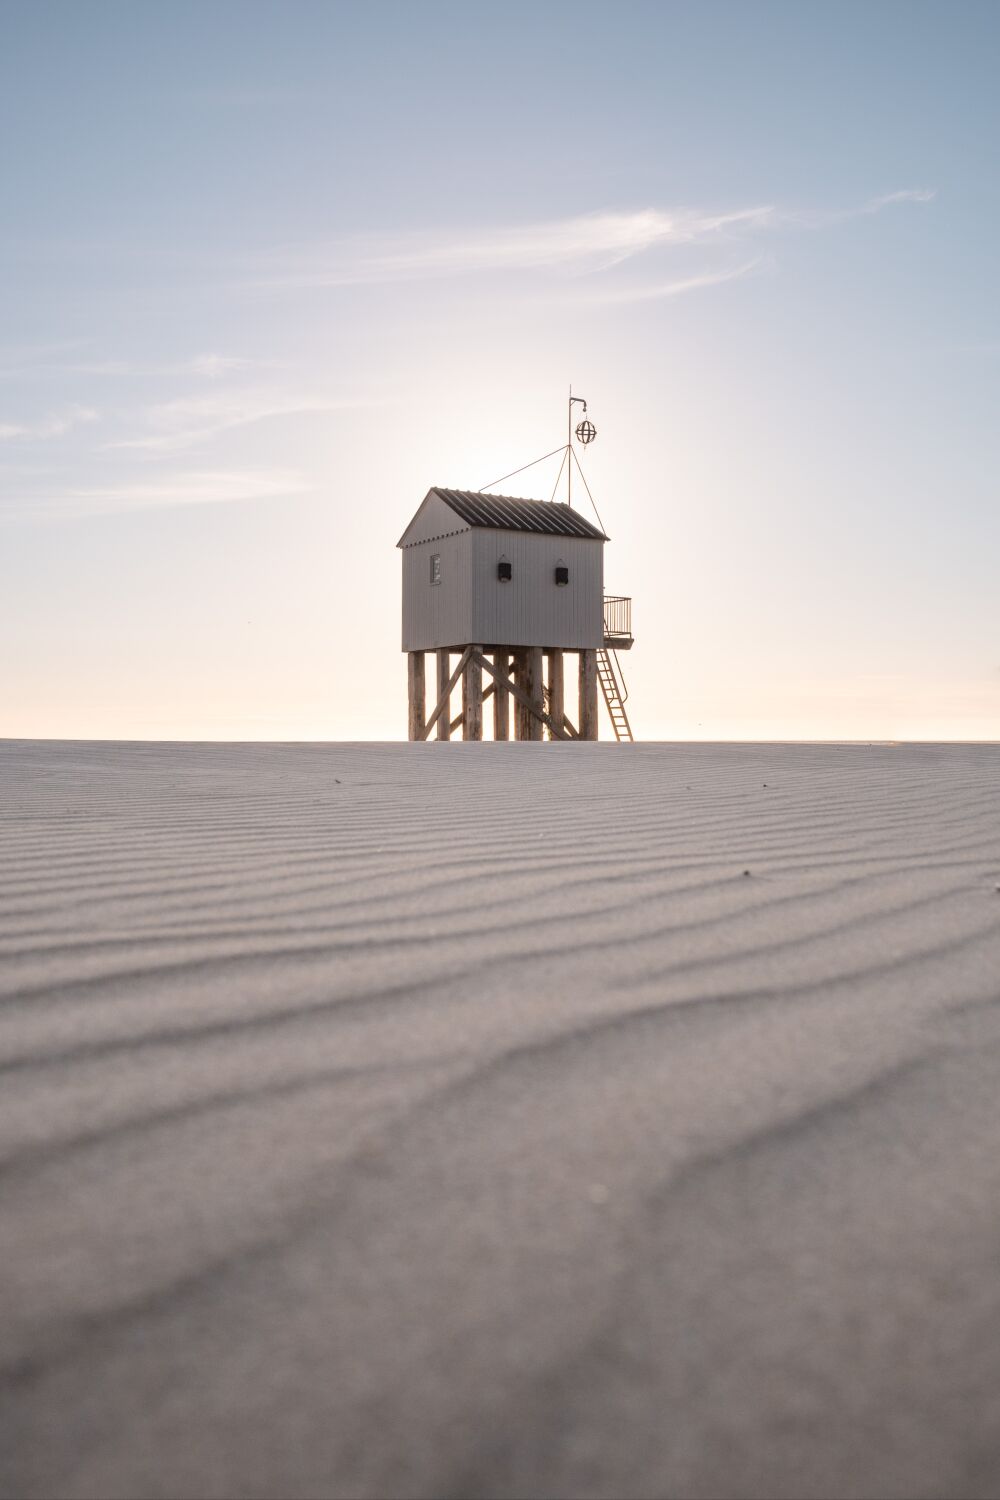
x=445, y=1120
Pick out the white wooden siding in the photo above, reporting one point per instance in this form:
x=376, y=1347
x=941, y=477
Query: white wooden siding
x=471, y=606
x=435, y=518
x=438, y=614
x=532, y=609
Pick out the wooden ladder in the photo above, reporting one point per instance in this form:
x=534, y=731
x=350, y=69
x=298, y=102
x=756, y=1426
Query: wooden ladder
x=613, y=697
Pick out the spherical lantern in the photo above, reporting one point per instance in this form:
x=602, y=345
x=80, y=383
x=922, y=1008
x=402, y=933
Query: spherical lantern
x=586, y=432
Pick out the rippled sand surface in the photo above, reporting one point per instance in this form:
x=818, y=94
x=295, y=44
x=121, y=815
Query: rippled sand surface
x=460, y=1120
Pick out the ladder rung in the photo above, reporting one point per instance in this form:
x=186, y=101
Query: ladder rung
x=612, y=697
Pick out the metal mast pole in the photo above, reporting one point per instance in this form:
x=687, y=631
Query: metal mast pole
x=569, y=450
x=569, y=444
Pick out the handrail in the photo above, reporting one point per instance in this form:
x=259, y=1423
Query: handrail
x=618, y=616
x=622, y=684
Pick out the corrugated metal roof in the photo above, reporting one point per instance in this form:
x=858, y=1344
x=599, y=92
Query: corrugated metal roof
x=506, y=513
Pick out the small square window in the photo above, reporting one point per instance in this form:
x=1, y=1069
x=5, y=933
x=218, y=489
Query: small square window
x=435, y=567
x=562, y=575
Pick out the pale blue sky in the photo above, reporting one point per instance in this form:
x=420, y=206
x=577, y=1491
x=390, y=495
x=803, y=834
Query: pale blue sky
x=268, y=271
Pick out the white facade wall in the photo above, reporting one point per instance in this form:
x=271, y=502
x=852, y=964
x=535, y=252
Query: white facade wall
x=471, y=606
x=435, y=518
x=532, y=609
x=438, y=614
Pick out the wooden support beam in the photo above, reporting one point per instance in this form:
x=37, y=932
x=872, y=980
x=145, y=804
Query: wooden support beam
x=416, y=691
x=446, y=692
x=531, y=685
x=459, y=719
x=501, y=697
x=472, y=696
x=588, y=695
x=444, y=668
x=557, y=694
x=515, y=675
x=532, y=709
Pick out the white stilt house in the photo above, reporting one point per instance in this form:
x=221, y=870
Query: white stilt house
x=507, y=587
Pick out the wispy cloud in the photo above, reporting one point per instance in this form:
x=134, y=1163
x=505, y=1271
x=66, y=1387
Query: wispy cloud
x=903, y=195
x=189, y=420
x=656, y=291
x=584, y=244
x=824, y=218
x=214, y=365
x=54, y=425
x=591, y=242
x=200, y=487
x=18, y=365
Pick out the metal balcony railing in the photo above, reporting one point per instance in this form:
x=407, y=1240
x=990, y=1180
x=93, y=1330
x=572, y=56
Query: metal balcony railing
x=617, y=620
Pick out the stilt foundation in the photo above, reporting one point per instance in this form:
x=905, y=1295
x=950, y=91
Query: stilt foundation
x=531, y=679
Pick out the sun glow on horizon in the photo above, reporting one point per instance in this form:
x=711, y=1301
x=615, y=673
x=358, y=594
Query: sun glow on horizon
x=226, y=383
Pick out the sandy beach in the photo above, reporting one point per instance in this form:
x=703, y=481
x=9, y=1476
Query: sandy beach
x=499, y=1120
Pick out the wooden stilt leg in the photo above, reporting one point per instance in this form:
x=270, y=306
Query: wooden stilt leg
x=515, y=692
x=501, y=698
x=416, y=693
x=557, y=694
x=588, y=695
x=472, y=697
x=443, y=673
x=520, y=712
x=532, y=685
